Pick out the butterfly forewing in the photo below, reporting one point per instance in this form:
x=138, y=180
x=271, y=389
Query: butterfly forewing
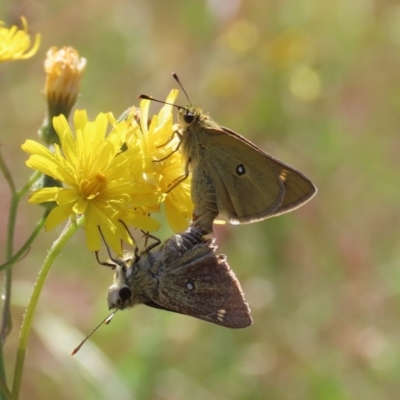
x=298, y=188
x=248, y=192
x=205, y=288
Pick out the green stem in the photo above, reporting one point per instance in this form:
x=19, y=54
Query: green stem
x=7, y=174
x=4, y=390
x=26, y=245
x=6, y=320
x=6, y=323
x=34, y=177
x=5, y=326
x=58, y=245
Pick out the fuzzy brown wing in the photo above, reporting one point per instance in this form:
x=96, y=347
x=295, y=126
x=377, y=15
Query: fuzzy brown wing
x=203, y=287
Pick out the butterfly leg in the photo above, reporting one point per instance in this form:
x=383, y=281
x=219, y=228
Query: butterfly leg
x=108, y=251
x=105, y=263
x=173, y=151
x=179, y=180
x=115, y=261
x=157, y=241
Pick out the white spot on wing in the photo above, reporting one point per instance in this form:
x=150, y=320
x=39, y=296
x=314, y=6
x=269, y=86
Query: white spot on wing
x=221, y=314
x=240, y=169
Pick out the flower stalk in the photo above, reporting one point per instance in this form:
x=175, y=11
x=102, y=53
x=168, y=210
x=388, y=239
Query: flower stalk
x=68, y=232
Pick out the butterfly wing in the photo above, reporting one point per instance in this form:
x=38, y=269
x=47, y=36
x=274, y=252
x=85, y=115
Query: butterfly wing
x=250, y=184
x=203, y=287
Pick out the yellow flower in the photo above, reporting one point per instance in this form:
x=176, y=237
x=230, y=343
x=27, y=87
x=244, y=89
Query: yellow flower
x=155, y=141
x=64, y=69
x=287, y=49
x=101, y=182
x=14, y=43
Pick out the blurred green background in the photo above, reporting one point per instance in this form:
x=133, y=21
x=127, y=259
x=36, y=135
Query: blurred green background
x=317, y=85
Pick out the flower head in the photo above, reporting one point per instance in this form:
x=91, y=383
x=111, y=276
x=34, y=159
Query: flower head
x=14, y=43
x=64, y=69
x=101, y=182
x=158, y=142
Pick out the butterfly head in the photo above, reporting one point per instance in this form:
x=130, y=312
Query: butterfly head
x=187, y=116
x=119, y=294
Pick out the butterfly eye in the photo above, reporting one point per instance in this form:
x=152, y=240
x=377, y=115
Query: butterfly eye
x=125, y=293
x=189, y=117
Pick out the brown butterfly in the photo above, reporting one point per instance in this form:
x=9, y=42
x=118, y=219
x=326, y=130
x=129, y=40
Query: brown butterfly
x=231, y=175
x=183, y=275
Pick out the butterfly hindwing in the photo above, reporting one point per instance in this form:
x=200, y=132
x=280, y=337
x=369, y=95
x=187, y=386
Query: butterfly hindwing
x=204, y=287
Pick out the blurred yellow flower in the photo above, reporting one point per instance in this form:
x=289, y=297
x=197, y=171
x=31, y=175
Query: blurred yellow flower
x=155, y=142
x=64, y=69
x=101, y=182
x=289, y=48
x=14, y=43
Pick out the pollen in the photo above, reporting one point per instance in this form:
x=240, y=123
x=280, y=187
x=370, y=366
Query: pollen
x=93, y=187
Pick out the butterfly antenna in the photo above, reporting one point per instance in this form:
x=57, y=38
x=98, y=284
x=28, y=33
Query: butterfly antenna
x=105, y=321
x=175, y=76
x=145, y=97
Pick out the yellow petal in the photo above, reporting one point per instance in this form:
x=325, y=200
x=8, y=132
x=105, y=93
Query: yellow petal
x=80, y=119
x=93, y=239
x=123, y=233
x=95, y=219
x=80, y=206
x=33, y=147
x=67, y=141
x=57, y=215
x=176, y=220
x=113, y=240
x=67, y=196
x=44, y=195
x=101, y=123
x=143, y=222
x=147, y=199
x=45, y=165
x=144, y=115
x=15, y=43
x=165, y=113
